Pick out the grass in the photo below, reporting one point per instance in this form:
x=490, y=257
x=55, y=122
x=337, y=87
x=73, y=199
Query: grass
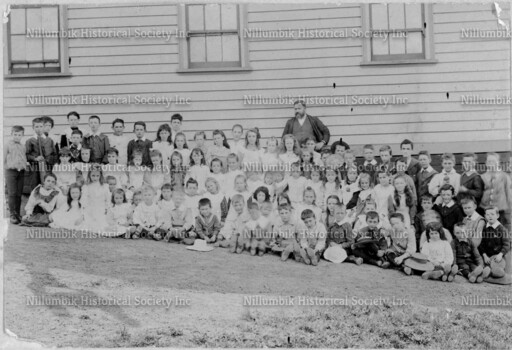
x=344, y=327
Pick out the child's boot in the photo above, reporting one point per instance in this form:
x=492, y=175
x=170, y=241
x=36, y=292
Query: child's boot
x=286, y=252
x=432, y=275
x=304, y=256
x=473, y=275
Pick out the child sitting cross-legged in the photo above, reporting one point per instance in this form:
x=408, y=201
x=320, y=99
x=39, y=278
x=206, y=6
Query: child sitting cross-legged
x=438, y=251
x=145, y=216
x=340, y=233
x=182, y=221
x=207, y=225
x=402, y=242
x=372, y=251
x=285, y=241
x=257, y=231
x=468, y=260
x=312, y=238
x=235, y=221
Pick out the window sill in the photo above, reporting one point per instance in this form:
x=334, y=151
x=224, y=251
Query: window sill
x=36, y=75
x=397, y=62
x=214, y=70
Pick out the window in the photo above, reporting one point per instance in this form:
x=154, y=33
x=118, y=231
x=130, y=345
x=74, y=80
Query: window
x=397, y=33
x=35, y=46
x=213, y=37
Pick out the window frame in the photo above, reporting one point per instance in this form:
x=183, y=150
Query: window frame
x=184, y=47
x=63, y=48
x=396, y=59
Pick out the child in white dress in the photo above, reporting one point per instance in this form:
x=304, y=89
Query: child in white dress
x=252, y=153
x=216, y=173
x=180, y=146
x=217, y=198
x=95, y=201
x=120, y=214
x=69, y=216
x=163, y=143
x=316, y=183
x=270, y=159
x=136, y=172
x=158, y=174
x=198, y=170
x=290, y=150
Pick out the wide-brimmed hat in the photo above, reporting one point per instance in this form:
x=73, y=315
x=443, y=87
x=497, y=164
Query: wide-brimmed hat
x=365, y=241
x=335, y=254
x=419, y=262
x=201, y=246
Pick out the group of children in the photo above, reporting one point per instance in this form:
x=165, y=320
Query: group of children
x=284, y=199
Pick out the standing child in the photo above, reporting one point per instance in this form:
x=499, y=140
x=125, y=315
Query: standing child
x=370, y=164
x=232, y=172
x=495, y=243
x=447, y=177
x=404, y=201
x=296, y=184
x=136, y=171
x=356, y=205
x=41, y=203
x=450, y=212
x=438, y=252
x=75, y=146
x=237, y=145
x=220, y=148
x=412, y=166
x=119, y=214
x=312, y=238
x=386, y=163
x=177, y=172
x=84, y=166
x=114, y=169
x=95, y=200
x=157, y=175
x=48, y=124
x=401, y=166
x=73, y=120
x=425, y=174
x=140, y=143
x=471, y=184
x=270, y=158
x=384, y=192
x=69, y=216
x=339, y=233
x=216, y=173
x=200, y=138
x=207, y=225
x=15, y=161
x=497, y=189
x=372, y=252
x=146, y=216
x=252, y=153
x=316, y=182
x=468, y=260
x=176, y=124
x=198, y=170
x=120, y=141
x=309, y=202
x=350, y=185
x=96, y=141
x=331, y=184
x=290, y=150
x=349, y=162
x=310, y=145
x=40, y=152
x=163, y=143
x=180, y=146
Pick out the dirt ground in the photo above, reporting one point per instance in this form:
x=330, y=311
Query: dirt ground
x=210, y=288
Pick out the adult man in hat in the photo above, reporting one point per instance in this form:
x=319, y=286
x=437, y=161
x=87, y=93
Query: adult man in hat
x=303, y=126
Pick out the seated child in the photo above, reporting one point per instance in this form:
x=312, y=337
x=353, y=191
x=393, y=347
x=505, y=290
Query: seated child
x=312, y=238
x=69, y=216
x=495, y=243
x=136, y=171
x=111, y=182
x=83, y=166
x=426, y=215
x=120, y=214
x=146, y=216
x=285, y=240
x=230, y=232
x=468, y=260
x=438, y=251
x=474, y=222
x=360, y=221
x=65, y=171
x=446, y=177
x=192, y=197
x=207, y=225
x=401, y=242
x=41, y=203
x=256, y=231
x=372, y=253
x=340, y=233
x=182, y=221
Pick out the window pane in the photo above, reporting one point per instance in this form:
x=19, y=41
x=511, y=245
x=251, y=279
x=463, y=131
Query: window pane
x=34, y=45
x=18, y=48
x=230, y=48
x=50, y=22
x=195, y=17
x=414, y=42
x=229, y=14
x=396, y=45
x=197, y=49
x=17, y=21
x=379, y=46
x=379, y=16
x=212, y=14
x=413, y=17
x=396, y=16
x=213, y=48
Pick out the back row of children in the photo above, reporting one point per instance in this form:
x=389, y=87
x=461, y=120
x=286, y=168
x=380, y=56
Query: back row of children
x=316, y=183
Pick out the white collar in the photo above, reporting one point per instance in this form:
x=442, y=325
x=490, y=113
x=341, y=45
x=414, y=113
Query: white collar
x=428, y=170
x=345, y=220
x=142, y=139
x=450, y=172
x=372, y=162
x=97, y=133
x=79, y=147
x=494, y=226
x=449, y=205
